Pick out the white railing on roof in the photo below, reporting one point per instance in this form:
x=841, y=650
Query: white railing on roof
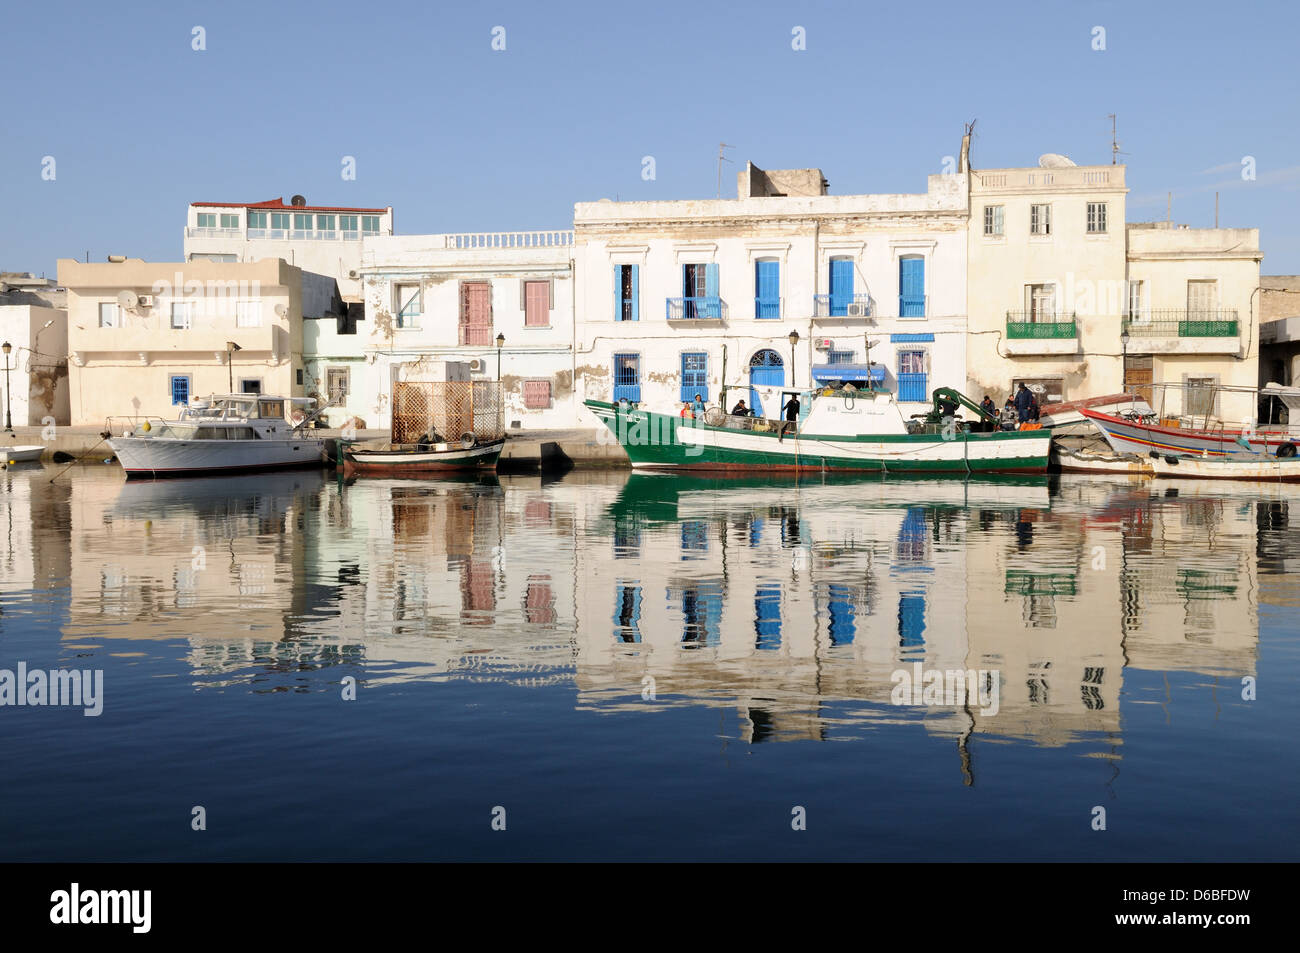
x=551, y=239
x=213, y=232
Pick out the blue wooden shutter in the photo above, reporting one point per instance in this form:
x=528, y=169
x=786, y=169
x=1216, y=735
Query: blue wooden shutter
x=636, y=292
x=618, y=292
x=767, y=289
x=911, y=287
x=841, y=285
x=711, y=281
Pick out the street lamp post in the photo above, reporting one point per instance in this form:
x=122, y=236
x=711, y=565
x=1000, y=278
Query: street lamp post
x=1123, y=368
x=794, y=339
x=9, y=424
x=231, y=348
x=501, y=342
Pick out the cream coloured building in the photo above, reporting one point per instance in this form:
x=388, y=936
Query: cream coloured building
x=454, y=297
x=145, y=337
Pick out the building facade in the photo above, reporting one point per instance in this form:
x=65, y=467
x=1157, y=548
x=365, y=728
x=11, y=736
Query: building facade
x=777, y=289
x=145, y=337
x=36, y=385
x=324, y=239
x=501, y=302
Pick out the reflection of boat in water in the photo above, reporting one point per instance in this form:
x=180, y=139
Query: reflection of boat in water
x=149, y=499
x=656, y=496
x=853, y=431
x=231, y=433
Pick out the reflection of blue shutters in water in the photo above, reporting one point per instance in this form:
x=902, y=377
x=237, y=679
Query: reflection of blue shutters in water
x=841, y=285
x=695, y=375
x=702, y=614
x=842, y=628
x=913, y=537
x=627, y=377
x=911, y=619
x=911, y=376
x=766, y=369
x=695, y=537
x=627, y=614
x=767, y=289
x=911, y=287
x=755, y=533
x=767, y=617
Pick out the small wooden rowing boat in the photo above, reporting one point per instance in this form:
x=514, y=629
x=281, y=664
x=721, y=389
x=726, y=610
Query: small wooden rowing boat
x=416, y=460
x=25, y=454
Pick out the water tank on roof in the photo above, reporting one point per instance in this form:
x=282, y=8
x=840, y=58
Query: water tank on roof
x=1053, y=160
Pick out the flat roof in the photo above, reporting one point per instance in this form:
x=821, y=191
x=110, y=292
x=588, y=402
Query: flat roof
x=278, y=205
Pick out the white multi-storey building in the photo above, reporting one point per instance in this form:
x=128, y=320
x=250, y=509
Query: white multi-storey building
x=777, y=289
x=501, y=302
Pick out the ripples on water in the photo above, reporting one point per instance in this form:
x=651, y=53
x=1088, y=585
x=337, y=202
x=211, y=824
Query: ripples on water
x=639, y=666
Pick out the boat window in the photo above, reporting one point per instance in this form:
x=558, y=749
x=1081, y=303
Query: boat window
x=271, y=409
x=239, y=433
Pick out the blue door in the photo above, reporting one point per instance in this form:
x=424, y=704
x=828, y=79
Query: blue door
x=767, y=289
x=180, y=390
x=911, y=287
x=695, y=375
x=911, y=376
x=627, y=377
x=765, y=369
x=841, y=286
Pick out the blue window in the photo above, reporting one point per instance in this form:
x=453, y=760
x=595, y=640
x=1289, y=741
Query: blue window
x=841, y=286
x=180, y=388
x=627, y=614
x=911, y=287
x=626, y=293
x=839, y=357
x=767, y=617
x=911, y=376
x=702, y=614
x=843, y=627
x=700, y=292
x=695, y=375
x=695, y=538
x=911, y=620
x=627, y=377
x=767, y=289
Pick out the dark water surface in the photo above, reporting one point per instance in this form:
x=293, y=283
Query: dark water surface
x=649, y=667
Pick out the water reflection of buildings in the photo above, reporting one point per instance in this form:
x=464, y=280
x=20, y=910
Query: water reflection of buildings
x=792, y=603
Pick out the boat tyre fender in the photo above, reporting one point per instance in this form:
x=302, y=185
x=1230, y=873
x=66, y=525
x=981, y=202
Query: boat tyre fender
x=467, y=441
x=1286, y=450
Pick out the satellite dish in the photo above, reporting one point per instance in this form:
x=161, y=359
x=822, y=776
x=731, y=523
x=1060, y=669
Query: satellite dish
x=127, y=300
x=1053, y=160
x=281, y=310
x=298, y=201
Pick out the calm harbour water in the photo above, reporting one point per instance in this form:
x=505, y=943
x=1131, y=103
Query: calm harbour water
x=649, y=667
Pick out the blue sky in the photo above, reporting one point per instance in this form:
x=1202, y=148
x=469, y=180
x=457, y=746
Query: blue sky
x=458, y=137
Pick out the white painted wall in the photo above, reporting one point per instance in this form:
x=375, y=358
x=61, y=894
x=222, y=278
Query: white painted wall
x=38, y=379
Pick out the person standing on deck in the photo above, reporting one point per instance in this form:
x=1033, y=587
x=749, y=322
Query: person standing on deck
x=791, y=424
x=991, y=409
x=1023, y=399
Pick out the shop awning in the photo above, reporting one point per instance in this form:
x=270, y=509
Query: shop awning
x=848, y=372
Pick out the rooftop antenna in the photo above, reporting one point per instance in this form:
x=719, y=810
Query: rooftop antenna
x=1114, y=142
x=721, y=159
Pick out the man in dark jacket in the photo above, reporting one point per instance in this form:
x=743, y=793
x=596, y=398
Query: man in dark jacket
x=1023, y=399
x=791, y=422
x=991, y=409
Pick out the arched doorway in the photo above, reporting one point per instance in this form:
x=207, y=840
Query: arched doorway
x=765, y=370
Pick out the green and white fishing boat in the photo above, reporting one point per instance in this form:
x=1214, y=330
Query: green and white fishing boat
x=842, y=430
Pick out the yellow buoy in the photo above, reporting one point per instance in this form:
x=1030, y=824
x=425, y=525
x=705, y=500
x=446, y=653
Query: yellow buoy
x=146, y=427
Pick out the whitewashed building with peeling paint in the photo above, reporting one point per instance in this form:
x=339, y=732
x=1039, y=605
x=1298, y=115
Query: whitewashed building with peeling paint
x=779, y=288
x=501, y=301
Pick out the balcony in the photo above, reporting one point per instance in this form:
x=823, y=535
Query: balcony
x=766, y=309
x=543, y=239
x=1182, y=331
x=841, y=306
x=710, y=308
x=214, y=233
x=1040, y=333
x=476, y=335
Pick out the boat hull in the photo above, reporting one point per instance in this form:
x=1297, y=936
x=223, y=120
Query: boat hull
x=660, y=441
x=1128, y=437
x=1264, y=468
x=415, y=463
x=152, y=457
x=20, y=454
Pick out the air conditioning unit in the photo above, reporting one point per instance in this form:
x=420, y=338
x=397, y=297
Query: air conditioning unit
x=476, y=366
x=144, y=301
x=354, y=274
x=857, y=309
x=823, y=344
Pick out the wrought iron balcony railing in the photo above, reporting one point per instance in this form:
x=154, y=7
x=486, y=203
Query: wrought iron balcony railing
x=841, y=306
x=1040, y=326
x=710, y=308
x=1183, y=323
